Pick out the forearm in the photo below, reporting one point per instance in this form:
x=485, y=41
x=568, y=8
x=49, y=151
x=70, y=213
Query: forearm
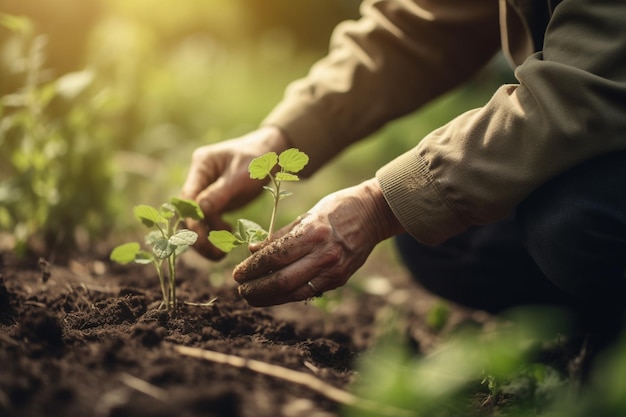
x=397, y=57
x=564, y=111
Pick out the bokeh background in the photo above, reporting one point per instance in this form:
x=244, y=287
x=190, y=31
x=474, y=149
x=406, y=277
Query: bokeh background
x=103, y=102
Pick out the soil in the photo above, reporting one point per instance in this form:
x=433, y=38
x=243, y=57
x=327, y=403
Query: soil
x=85, y=338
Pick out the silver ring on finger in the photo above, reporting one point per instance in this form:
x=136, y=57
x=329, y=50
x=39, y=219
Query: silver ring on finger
x=316, y=292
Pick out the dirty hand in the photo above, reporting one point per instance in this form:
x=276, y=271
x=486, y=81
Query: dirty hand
x=320, y=250
x=219, y=181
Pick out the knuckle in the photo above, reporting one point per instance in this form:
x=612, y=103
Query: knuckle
x=331, y=256
x=198, y=155
x=320, y=231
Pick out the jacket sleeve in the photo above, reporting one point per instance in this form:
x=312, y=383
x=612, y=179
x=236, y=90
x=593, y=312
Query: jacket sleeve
x=398, y=56
x=567, y=108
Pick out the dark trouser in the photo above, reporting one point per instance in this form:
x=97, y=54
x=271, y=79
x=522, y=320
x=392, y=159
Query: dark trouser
x=564, y=245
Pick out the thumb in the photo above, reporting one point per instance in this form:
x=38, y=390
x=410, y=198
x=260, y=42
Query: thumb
x=254, y=247
x=214, y=198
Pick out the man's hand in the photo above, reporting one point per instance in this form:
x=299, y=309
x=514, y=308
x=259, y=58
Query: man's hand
x=219, y=181
x=323, y=247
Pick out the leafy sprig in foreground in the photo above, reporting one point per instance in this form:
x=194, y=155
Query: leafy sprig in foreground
x=289, y=164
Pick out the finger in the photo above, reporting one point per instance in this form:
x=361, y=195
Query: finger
x=255, y=247
x=213, y=198
x=202, y=228
x=197, y=180
x=280, y=253
x=287, y=286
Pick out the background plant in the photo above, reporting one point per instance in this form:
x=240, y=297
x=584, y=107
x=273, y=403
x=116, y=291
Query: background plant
x=167, y=240
x=55, y=166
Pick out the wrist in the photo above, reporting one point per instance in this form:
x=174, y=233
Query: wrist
x=381, y=218
x=273, y=138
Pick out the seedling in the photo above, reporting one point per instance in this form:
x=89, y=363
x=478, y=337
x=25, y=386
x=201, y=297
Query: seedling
x=167, y=240
x=290, y=163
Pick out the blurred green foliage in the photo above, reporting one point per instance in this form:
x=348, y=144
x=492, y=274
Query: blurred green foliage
x=56, y=164
x=518, y=365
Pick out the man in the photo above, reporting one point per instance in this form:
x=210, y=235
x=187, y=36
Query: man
x=522, y=201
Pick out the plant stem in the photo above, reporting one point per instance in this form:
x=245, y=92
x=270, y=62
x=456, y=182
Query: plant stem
x=162, y=281
x=172, y=264
x=276, y=199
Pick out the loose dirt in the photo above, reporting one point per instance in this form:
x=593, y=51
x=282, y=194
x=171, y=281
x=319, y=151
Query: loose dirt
x=85, y=338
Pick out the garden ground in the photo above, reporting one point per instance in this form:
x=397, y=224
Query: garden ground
x=84, y=337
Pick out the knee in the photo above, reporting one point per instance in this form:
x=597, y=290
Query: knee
x=579, y=243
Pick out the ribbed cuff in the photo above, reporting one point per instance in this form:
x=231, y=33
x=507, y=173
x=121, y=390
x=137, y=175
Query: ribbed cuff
x=416, y=200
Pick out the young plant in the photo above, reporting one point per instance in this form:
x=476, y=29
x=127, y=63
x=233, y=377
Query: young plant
x=167, y=240
x=290, y=162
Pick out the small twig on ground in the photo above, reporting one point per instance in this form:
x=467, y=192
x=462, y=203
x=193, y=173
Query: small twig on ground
x=144, y=387
x=310, y=381
x=207, y=304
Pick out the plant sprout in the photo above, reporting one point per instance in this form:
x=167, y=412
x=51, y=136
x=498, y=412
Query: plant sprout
x=290, y=162
x=167, y=240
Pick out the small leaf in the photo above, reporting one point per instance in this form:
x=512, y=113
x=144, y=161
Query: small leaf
x=152, y=237
x=187, y=208
x=148, y=215
x=162, y=249
x=180, y=249
x=258, y=236
x=167, y=210
x=271, y=190
x=250, y=232
x=125, y=253
x=293, y=160
x=183, y=237
x=285, y=176
x=261, y=167
x=284, y=194
x=144, y=257
x=245, y=227
x=224, y=240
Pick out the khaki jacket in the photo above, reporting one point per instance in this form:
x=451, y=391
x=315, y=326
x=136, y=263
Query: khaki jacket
x=568, y=106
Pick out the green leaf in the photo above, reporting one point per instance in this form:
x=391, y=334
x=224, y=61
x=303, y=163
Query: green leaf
x=144, y=257
x=183, y=237
x=224, y=240
x=258, y=236
x=187, y=208
x=167, y=210
x=285, y=176
x=148, y=215
x=284, y=194
x=125, y=253
x=162, y=249
x=153, y=236
x=245, y=227
x=293, y=160
x=180, y=249
x=262, y=166
x=250, y=232
x=271, y=190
